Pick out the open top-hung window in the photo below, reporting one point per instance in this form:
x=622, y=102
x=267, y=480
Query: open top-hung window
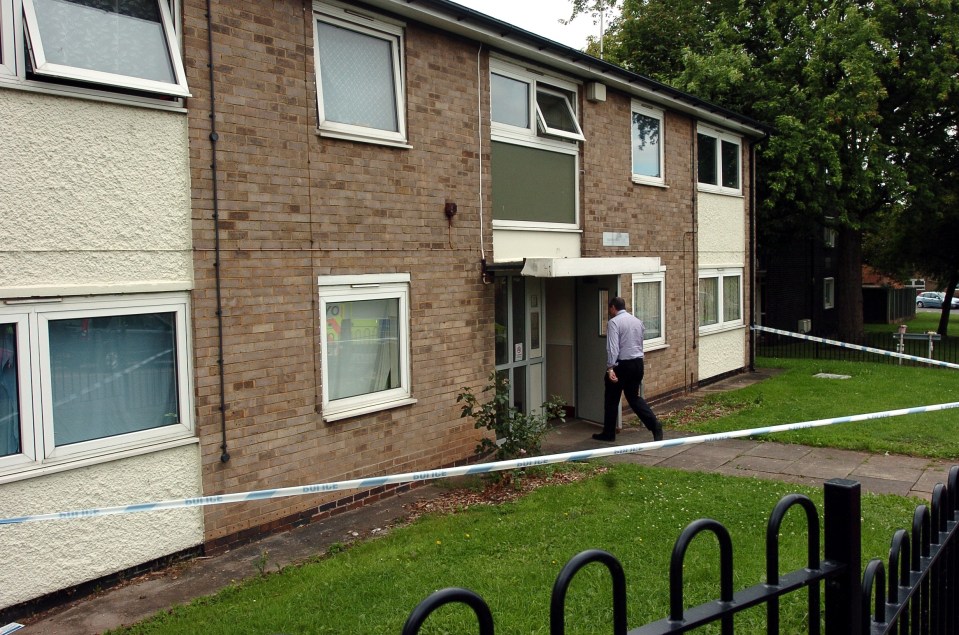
x=359, y=70
x=525, y=105
x=129, y=44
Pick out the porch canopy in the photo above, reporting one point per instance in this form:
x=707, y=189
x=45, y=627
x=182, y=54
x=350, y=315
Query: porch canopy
x=579, y=267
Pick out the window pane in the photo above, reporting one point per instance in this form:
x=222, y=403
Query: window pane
x=707, y=159
x=363, y=347
x=646, y=145
x=557, y=112
x=509, y=100
x=732, y=311
x=731, y=165
x=112, y=375
x=708, y=301
x=356, y=72
x=502, y=320
x=9, y=392
x=648, y=309
x=123, y=37
x=531, y=184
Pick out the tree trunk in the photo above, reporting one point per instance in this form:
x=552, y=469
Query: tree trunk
x=849, y=285
x=946, y=307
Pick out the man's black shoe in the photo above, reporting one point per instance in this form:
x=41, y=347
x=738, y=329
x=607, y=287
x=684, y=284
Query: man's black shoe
x=658, y=433
x=603, y=437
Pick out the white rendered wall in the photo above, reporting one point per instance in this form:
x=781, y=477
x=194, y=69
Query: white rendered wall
x=722, y=352
x=722, y=243
x=94, y=197
x=722, y=231
x=43, y=557
x=514, y=245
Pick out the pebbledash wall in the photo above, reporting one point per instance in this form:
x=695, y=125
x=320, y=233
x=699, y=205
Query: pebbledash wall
x=294, y=207
x=96, y=207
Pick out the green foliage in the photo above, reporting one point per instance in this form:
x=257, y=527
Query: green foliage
x=863, y=98
x=516, y=434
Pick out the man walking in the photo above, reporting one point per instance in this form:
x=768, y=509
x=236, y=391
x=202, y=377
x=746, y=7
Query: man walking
x=624, y=371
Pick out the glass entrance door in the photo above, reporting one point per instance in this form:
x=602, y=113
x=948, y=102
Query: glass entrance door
x=519, y=339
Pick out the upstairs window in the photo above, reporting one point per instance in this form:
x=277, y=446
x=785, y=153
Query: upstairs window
x=524, y=104
x=129, y=44
x=534, y=151
x=719, y=163
x=647, y=144
x=359, y=75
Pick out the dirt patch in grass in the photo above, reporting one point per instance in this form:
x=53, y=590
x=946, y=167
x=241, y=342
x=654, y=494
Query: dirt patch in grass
x=698, y=413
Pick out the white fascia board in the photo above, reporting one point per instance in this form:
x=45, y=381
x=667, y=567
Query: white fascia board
x=578, y=267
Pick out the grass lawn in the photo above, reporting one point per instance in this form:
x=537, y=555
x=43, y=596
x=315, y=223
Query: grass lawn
x=922, y=323
x=796, y=395
x=511, y=553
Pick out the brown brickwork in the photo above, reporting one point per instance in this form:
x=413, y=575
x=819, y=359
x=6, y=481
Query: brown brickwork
x=294, y=205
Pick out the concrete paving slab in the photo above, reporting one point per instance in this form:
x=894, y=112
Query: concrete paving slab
x=889, y=467
x=761, y=464
x=784, y=451
x=883, y=485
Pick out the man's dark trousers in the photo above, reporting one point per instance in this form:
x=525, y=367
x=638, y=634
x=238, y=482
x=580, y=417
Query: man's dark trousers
x=630, y=375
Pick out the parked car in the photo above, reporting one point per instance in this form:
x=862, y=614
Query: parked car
x=934, y=300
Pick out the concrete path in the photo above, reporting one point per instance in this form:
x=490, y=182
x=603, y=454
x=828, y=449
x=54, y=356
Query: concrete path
x=203, y=576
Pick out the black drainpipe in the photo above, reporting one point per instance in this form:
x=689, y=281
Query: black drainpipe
x=214, y=137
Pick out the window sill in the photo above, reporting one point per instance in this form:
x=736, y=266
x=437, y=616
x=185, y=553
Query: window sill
x=526, y=226
x=641, y=180
x=379, y=141
x=708, y=189
x=720, y=328
x=339, y=415
x=35, y=470
x=648, y=348
x=89, y=94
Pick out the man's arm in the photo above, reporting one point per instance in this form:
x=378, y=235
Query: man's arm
x=612, y=343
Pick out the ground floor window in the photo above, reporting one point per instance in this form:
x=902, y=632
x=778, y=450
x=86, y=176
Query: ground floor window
x=828, y=293
x=365, y=344
x=82, y=377
x=649, y=305
x=720, y=299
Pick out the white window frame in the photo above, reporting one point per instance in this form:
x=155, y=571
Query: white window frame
x=720, y=137
x=535, y=133
x=828, y=293
x=719, y=274
x=380, y=27
x=8, y=47
x=658, y=277
x=353, y=288
x=652, y=113
x=527, y=136
x=97, y=79
x=545, y=128
x=35, y=392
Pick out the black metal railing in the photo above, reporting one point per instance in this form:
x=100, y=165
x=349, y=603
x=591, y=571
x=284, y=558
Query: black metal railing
x=774, y=345
x=922, y=594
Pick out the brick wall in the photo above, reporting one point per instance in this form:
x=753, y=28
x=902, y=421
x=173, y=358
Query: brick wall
x=294, y=206
x=659, y=221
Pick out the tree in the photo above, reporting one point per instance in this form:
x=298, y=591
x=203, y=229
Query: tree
x=822, y=73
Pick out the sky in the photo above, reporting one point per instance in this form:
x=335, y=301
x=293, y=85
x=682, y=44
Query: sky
x=541, y=17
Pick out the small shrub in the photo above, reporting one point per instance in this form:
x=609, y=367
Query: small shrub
x=516, y=434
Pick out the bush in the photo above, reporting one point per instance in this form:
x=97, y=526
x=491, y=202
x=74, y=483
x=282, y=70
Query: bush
x=519, y=434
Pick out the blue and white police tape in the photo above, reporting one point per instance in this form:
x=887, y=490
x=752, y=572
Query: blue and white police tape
x=481, y=468
x=856, y=347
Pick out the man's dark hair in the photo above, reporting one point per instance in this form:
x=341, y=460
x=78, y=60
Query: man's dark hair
x=618, y=303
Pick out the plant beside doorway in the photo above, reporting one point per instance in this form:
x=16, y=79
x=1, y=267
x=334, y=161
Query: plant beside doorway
x=517, y=434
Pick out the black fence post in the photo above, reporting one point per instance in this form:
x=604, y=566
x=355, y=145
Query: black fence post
x=842, y=520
